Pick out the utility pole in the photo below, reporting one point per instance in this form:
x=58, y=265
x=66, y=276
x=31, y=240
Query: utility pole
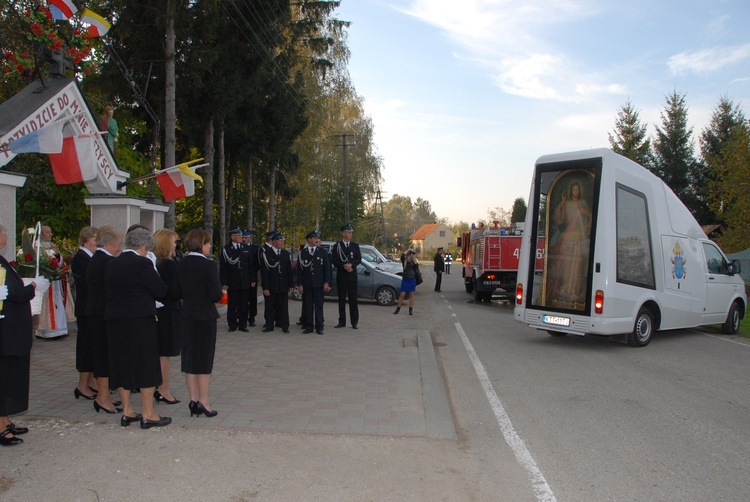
x=343, y=145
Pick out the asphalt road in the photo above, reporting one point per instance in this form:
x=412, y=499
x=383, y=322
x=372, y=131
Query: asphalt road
x=605, y=421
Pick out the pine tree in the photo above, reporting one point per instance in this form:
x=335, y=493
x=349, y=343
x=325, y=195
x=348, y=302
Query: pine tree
x=630, y=136
x=725, y=119
x=518, y=212
x=733, y=189
x=674, y=161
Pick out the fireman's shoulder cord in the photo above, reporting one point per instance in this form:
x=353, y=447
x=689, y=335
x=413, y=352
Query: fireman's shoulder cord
x=231, y=261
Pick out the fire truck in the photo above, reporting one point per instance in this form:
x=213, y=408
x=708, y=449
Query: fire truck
x=489, y=255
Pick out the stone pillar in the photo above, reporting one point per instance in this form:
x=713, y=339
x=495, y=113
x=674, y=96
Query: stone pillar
x=9, y=183
x=122, y=212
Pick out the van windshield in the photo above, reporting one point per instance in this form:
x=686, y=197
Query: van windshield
x=564, y=209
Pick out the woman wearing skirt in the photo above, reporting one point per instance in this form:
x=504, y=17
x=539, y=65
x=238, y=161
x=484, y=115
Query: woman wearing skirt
x=169, y=315
x=15, y=345
x=199, y=286
x=132, y=289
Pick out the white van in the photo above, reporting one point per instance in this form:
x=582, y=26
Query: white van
x=610, y=250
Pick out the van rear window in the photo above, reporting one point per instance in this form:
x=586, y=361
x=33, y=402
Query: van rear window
x=565, y=221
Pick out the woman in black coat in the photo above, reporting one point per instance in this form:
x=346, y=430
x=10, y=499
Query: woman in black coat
x=85, y=336
x=132, y=288
x=199, y=286
x=169, y=315
x=15, y=346
x=108, y=241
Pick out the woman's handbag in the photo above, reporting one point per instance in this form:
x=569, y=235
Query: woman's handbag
x=418, y=276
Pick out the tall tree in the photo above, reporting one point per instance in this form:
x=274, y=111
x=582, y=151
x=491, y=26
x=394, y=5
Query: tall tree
x=725, y=119
x=518, y=213
x=732, y=189
x=674, y=160
x=630, y=137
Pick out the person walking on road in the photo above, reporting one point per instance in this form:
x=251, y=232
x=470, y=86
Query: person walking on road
x=439, y=268
x=408, y=280
x=346, y=256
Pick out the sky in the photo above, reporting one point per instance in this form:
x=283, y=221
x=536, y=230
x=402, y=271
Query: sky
x=465, y=96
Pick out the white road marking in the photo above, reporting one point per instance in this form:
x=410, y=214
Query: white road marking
x=541, y=488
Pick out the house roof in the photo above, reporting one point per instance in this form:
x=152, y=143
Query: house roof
x=424, y=231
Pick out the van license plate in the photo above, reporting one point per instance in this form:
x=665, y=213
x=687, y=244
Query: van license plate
x=556, y=320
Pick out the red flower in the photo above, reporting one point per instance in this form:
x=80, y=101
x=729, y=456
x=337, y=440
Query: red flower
x=27, y=257
x=13, y=264
x=54, y=263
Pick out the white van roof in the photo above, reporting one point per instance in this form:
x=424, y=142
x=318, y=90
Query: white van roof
x=681, y=219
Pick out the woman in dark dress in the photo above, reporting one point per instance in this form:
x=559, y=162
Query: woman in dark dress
x=85, y=336
x=199, y=286
x=15, y=346
x=132, y=288
x=169, y=316
x=108, y=241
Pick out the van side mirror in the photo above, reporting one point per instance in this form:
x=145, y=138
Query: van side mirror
x=734, y=267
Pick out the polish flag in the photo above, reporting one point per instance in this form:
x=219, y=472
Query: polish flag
x=76, y=162
x=178, y=182
x=66, y=7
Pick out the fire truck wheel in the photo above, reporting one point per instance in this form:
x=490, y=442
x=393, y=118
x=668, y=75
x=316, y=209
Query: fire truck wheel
x=556, y=333
x=643, y=329
x=385, y=296
x=469, y=285
x=478, y=295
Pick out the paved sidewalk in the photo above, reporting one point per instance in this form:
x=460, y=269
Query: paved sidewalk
x=368, y=381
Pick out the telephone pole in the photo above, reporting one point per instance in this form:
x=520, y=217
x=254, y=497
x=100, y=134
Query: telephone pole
x=343, y=145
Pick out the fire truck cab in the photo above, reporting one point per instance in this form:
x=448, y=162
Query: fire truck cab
x=489, y=256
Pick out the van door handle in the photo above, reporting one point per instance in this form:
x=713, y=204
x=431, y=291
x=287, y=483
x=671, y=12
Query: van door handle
x=710, y=278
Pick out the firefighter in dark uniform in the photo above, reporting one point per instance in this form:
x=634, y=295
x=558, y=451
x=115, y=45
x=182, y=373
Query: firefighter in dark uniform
x=235, y=272
x=313, y=281
x=345, y=256
x=448, y=260
x=277, y=282
x=439, y=268
x=252, y=302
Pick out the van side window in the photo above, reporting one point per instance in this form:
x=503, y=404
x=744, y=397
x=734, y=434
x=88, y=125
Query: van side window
x=634, y=256
x=715, y=261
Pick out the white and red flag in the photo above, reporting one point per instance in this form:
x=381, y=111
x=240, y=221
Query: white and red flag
x=48, y=139
x=62, y=9
x=178, y=182
x=76, y=162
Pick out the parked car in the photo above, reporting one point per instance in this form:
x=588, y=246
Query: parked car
x=372, y=284
x=373, y=256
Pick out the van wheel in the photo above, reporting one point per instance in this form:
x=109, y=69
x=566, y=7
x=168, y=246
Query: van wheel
x=643, y=329
x=732, y=325
x=556, y=333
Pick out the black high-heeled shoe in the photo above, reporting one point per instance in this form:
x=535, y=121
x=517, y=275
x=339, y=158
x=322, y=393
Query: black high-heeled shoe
x=162, y=422
x=191, y=407
x=161, y=399
x=6, y=441
x=126, y=420
x=16, y=430
x=98, y=407
x=77, y=393
x=199, y=408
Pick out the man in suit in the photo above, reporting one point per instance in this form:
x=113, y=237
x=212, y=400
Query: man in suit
x=346, y=256
x=235, y=272
x=313, y=281
x=277, y=282
x=252, y=302
x=439, y=268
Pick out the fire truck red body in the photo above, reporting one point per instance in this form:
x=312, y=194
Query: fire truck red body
x=489, y=255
